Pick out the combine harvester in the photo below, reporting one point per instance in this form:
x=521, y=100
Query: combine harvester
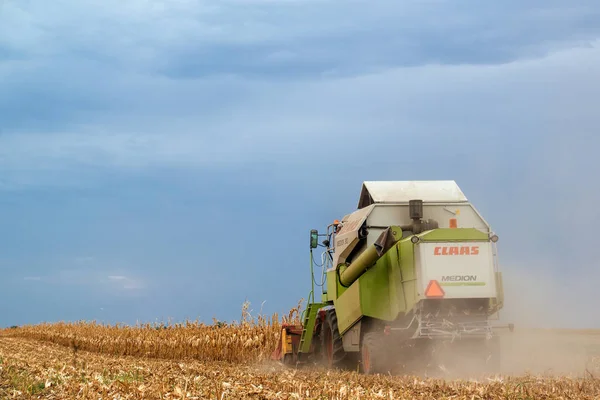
x=410, y=274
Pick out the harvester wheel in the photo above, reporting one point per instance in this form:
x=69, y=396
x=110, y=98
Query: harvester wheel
x=373, y=354
x=332, y=348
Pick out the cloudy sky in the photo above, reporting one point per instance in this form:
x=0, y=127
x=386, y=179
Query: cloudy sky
x=167, y=159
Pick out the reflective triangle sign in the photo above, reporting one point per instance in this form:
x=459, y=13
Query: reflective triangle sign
x=434, y=289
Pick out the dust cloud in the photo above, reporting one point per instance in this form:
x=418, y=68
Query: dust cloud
x=554, y=317
x=551, y=272
x=550, y=353
x=555, y=314
x=535, y=352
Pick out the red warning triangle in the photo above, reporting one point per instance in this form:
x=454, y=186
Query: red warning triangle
x=434, y=289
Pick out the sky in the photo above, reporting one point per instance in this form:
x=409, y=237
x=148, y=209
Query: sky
x=167, y=159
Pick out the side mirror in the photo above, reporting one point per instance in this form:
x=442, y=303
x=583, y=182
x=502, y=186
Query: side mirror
x=314, y=239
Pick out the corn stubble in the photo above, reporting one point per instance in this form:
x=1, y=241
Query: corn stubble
x=218, y=361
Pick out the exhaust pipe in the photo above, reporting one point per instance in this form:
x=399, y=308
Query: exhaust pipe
x=415, y=211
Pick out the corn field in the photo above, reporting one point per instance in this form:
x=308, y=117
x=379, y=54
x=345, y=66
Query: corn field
x=250, y=340
x=192, y=360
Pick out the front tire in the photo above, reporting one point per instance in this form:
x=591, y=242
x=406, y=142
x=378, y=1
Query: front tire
x=332, y=348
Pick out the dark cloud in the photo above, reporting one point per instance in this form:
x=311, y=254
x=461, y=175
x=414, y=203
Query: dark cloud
x=358, y=37
x=143, y=137
x=104, y=59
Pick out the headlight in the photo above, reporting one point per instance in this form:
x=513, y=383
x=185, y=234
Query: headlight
x=494, y=238
x=415, y=239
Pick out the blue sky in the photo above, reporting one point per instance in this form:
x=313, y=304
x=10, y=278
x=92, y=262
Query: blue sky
x=168, y=158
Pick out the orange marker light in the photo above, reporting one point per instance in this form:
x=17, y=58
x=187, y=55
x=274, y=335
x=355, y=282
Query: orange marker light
x=434, y=289
x=453, y=223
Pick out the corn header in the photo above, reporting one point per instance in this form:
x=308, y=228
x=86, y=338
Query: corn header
x=409, y=274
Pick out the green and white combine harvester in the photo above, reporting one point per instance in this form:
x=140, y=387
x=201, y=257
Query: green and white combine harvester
x=409, y=276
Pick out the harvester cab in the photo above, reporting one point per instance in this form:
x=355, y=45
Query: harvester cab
x=412, y=272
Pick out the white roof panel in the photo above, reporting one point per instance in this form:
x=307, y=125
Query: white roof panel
x=403, y=191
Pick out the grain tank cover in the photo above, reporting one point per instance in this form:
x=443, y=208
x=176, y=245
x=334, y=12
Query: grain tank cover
x=398, y=192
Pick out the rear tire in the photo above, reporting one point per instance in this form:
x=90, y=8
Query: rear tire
x=374, y=358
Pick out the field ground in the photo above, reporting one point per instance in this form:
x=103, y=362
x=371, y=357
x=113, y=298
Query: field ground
x=33, y=369
x=556, y=352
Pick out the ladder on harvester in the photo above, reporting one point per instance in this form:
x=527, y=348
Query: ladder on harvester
x=308, y=327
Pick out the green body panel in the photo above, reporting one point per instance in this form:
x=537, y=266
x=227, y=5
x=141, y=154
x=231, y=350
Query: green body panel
x=454, y=234
x=375, y=291
x=388, y=289
x=378, y=288
x=408, y=296
x=310, y=318
x=348, y=307
x=333, y=285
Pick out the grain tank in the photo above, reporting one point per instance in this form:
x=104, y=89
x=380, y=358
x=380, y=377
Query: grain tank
x=410, y=271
